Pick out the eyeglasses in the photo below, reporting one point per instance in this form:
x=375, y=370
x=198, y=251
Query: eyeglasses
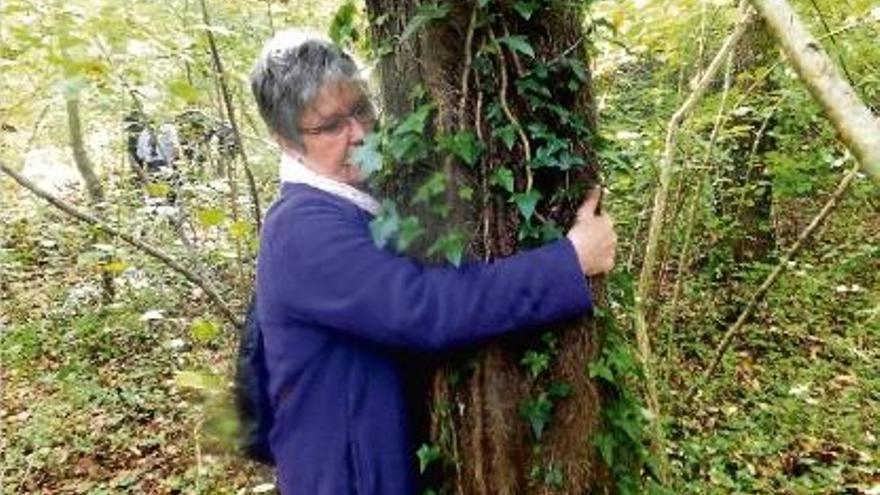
x=362, y=112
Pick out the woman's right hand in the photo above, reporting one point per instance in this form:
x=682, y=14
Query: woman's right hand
x=593, y=237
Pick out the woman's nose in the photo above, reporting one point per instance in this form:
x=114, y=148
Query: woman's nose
x=357, y=130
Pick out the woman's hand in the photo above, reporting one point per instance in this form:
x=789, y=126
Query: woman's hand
x=593, y=237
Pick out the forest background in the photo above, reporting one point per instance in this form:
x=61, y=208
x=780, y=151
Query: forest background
x=115, y=369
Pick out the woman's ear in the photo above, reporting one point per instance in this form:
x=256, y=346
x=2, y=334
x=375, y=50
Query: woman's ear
x=289, y=147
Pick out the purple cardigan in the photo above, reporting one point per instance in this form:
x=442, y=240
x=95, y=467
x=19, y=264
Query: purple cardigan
x=336, y=311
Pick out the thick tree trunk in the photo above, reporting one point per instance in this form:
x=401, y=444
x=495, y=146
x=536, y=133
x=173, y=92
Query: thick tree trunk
x=476, y=402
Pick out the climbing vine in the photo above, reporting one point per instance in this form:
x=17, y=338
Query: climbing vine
x=518, y=146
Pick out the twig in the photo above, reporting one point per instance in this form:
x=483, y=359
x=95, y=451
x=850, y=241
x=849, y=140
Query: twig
x=645, y=293
x=230, y=114
x=758, y=296
x=198, y=281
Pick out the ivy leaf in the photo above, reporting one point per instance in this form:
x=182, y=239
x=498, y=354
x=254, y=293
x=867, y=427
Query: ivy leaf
x=507, y=135
x=407, y=148
x=525, y=8
x=536, y=362
x=434, y=186
x=427, y=454
x=537, y=412
x=415, y=121
x=386, y=224
x=526, y=202
x=466, y=193
x=452, y=247
x=503, y=178
x=606, y=444
x=464, y=145
x=425, y=14
x=601, y=370
x=410, y=229
x=367, y=156
x=518, y=43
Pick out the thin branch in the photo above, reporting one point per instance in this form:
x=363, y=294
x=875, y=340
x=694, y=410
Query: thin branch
x=644, y=293
x=198, y=281
x=758, y=296
x=230, y=114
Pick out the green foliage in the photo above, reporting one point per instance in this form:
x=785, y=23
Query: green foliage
x=425, y=14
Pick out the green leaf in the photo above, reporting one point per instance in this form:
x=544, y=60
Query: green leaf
x=537, y=411
x=507, y=135
x=606, y=444
x=427, y=454
x=526, y=202
x=518, y=43
x=415, y=122
x=525, y=8
x=451, y=245
x=424, y=14
x=239, y=230
x=407, y=148
x=464, y=145
x=203, y=331
x=367, y=155
x=409, y=230
x=483, y=3
x=536, y=362
x=503, y=178
x=210, y=217
x=466, y=193
x=183, y=90
x=431, y=188
x=386, y=224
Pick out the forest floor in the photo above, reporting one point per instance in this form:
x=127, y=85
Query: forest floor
x=132, y=395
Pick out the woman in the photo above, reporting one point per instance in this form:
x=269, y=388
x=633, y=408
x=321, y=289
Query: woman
x=335, y=309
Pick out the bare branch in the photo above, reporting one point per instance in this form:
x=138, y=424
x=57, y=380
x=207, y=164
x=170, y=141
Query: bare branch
x=230, y=115
x=646, y=278
x=198, y=281
x=758, y=296
x=857, y=127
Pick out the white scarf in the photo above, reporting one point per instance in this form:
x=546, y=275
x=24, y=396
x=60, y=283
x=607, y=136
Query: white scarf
x=293, y=170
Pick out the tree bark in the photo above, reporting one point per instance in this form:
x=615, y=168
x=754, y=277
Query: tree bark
x=476, y=397
x=80, y=157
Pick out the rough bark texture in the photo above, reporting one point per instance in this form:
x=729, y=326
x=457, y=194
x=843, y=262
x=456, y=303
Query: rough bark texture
x=475, y=402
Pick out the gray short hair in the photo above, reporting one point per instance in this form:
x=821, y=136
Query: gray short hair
x=292, y=68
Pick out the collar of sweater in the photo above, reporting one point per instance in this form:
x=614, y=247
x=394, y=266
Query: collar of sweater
x=292, y=169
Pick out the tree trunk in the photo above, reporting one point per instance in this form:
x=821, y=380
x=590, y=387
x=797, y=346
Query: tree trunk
x=745, y=197
x=87, y=171
x=80, y=157
x=477, y=398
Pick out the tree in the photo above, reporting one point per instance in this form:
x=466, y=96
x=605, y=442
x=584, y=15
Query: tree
x=505, y=92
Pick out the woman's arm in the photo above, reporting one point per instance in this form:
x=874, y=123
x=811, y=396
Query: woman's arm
x=323, y=267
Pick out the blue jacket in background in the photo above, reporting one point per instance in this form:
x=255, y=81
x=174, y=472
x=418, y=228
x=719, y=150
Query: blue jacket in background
x=336, y=311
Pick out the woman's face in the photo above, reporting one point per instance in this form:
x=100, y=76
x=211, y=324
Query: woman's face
x=336, y=122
